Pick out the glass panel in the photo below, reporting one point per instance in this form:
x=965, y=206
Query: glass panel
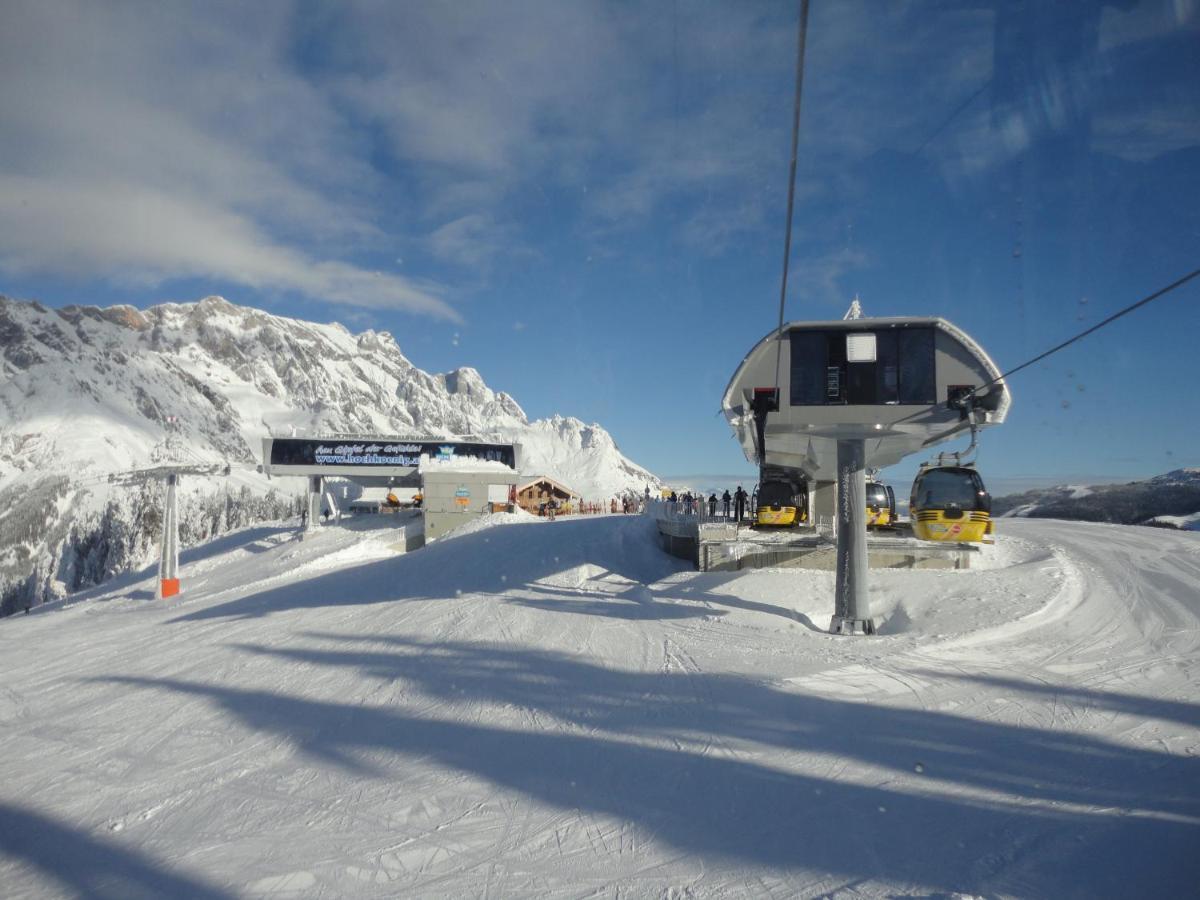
x=877, y=495
x=903, y=371
x=860, y=383
x=918, y=384
x=949, y=488
x=776, y=493
x=887, y=371
x=809, y=354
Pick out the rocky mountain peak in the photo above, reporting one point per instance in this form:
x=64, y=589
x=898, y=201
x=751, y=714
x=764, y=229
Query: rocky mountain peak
x=87, y=391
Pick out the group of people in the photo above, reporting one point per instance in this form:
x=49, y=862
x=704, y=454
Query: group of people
x=694, y=505
x=624, y=504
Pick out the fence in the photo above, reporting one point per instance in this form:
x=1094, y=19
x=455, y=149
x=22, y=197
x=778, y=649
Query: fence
x=698, y=514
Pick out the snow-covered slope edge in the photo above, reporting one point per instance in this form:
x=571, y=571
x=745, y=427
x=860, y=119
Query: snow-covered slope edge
x=85, y=392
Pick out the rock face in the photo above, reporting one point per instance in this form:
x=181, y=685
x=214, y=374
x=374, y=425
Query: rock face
x=86, y=392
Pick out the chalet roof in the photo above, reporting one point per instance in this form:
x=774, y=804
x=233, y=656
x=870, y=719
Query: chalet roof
x=550, y=481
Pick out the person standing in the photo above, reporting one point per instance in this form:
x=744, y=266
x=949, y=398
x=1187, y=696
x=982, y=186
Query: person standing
x=712, y=505
x=739, y=503
x=725, y=500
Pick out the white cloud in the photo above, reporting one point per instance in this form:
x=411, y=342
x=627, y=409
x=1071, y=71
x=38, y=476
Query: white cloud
x=143, y=144
x=281, y=145
x=133, y=234
x=472, y=240
x=1130, y=24
x=825, y=278
x=454, y=111
x=1148, y=130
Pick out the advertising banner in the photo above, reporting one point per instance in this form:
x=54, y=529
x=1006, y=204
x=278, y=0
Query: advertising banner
x=307, y=453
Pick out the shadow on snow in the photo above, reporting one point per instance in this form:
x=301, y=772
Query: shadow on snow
x=490, y=561
x=653, y=749
x=87, y=866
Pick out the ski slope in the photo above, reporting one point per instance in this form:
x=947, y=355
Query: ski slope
x=557, y=709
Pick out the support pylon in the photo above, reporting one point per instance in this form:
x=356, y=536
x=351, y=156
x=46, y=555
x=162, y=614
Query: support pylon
x=168, y=560
x=852, y=603
x=316, y=487
x=168, y=474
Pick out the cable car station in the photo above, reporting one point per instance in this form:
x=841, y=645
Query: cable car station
x=816, y=405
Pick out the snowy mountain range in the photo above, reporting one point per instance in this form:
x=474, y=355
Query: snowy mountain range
x=1168, y=500
x=86, y=392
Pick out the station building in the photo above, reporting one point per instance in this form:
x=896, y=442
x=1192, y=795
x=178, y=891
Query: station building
x=458, y=480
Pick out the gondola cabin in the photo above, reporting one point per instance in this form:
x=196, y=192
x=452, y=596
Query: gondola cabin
x=781, y=503
x=881, y=505
x=950, y=503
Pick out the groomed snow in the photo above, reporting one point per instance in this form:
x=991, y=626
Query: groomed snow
x=535, y=708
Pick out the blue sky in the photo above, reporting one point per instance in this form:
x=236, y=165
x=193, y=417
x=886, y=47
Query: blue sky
x=585, y=201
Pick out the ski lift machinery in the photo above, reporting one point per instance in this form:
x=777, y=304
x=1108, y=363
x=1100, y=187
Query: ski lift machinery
x=828, y=400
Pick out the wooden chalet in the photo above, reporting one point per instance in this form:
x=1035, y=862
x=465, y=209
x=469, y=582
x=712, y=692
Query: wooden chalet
x=542, y=489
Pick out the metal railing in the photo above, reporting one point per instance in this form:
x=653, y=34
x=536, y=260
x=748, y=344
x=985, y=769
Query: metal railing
x=697, y=512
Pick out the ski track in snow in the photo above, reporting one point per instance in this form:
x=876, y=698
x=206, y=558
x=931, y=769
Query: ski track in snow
x=558, y=709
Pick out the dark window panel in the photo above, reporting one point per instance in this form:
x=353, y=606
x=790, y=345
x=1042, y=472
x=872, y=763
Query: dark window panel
x=918, y=384
x=809, y=355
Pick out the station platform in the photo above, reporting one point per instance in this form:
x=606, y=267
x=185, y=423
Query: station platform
x=716, y=545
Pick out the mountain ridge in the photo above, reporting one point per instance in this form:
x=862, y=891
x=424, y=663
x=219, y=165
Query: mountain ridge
x=1170, y=500
x=88, y=391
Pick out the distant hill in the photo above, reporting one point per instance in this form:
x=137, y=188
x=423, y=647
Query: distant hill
x=1166, y=501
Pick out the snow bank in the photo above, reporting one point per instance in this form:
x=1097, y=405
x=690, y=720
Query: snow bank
x=461, y=464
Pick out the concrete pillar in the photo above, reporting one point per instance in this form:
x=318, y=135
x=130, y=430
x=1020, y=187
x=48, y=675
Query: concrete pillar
x=168, y=558
x=822, y=503
x=315, y=489
x=852, y=603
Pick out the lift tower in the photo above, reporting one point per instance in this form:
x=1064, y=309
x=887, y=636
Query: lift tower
x=168, y=556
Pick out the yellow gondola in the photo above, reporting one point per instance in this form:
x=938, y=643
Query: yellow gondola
x=781, y=504
x=950, y=503
x=881, y=505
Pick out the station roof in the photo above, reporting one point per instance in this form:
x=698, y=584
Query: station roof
x=890, y=382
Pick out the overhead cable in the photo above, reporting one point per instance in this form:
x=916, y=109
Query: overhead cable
x=1161, y=292
x=801, y=36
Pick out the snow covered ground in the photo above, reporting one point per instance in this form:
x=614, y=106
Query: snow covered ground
x=558, y=709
